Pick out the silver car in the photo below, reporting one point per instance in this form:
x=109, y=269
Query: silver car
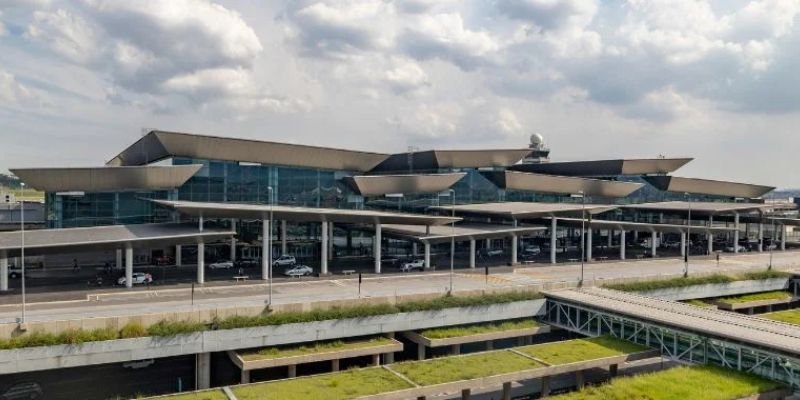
x=299, y=270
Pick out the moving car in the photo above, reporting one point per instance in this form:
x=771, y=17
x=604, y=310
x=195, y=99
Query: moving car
x=23, y=391
x=138, y=278
x=414, y=265
x=284, y=260
x=222, y=265
x=248, y=262
x=299, y=270
x=494, y=252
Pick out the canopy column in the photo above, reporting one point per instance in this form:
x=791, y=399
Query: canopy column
x=683, y=244
x=377, y=250
x=283, y=237
x=553, y=239
x=266, y=248
x=783, y=237
x=622, y=244
x=129, y=265
x=710, y=236
x=736, y=232
x=589, y=245
x=330, y=240
x=178, y=255
x=427, y=255
x=472, y=253
x=3, y=271
x=323, y=259
x=653, y=243
x=760, y=237
x=233, y=241
x=513, y=249
x=119, y=259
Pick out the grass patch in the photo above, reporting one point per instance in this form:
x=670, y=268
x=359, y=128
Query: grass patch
x=580, y=350
x=171, y=328
x=645, y=286
x=698, y=382
x=449, y=369
x=788, y=316
x=271, y=353
x=342, y=385
x=206, y=395
x=776, y=295
x=477, y=329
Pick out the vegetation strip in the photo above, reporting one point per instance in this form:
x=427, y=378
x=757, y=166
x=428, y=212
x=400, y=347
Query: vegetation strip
x=645, y=286
x=478, y=365
x=697, y=382
x=571, y=351
x=478, y=329
x=747, y=298
x=166, y=328
x=271, y=353
x=788, y=316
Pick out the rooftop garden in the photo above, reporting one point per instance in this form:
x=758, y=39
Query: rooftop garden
x=171, y=328
x=206, y=395
x=580, y=350
x=478, y=329
x=645, y=286
x=479, y=365
x=776, y=295
x=697, y=382
x=271, y=353
x=788, y=316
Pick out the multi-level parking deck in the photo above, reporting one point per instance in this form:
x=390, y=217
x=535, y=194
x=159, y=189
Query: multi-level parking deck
x=682, y=331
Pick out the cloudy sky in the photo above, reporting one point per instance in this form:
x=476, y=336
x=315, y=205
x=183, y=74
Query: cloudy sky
x=717, y=80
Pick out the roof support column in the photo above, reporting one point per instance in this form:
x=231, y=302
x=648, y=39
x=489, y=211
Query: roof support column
x=201, y=262
x=736, y=232
x=377, y=250
x=330, y=240
x=233, y=241
x=783, y=237
x=610, y=233
x=553, y=239
x=427, y=255
x=323, y=258
x=178, y=255
x=653, y=243
x=710, y=236
x=414, y=249
x=128, y=265
x=589, y=245
x=622, y=244
x=683, y=244
x=661, y=234
x=472, y=253
x=513, y=249
x=266, y=248
x=3, y=271
x=283, y=237
x=760, y=237
x=119, y=259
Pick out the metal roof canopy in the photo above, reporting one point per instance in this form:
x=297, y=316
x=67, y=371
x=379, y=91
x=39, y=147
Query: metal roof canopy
x=445, y=233
x=107, y=179
x=677, y=184
x=520, y=210
x=543, y=183
x=54, y=241
x=301, y=214
x=432, y=160
x=640, y=226
x=606, y=167
x=701, y=208
x=378, y=185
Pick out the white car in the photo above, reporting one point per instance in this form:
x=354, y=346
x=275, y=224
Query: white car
x=221, y=265
x=299, y=270
x=14, y=273
x=415, y=265
x=284, y=261
x=532, y=250
x=494, y=252
x=138, y=279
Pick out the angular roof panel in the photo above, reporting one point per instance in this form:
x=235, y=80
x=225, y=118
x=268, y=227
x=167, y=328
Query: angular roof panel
x=433, y=160
x=106, y=179
x=542, y=183
x=708, y=186
x=650, y=166
x=379, y=185
x=528, y=210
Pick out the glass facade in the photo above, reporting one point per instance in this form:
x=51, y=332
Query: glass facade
x=71, y=210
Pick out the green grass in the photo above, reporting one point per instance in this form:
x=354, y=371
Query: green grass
x=788, y=316
x=271, y=353
x=449, y=369
x=776, y=295
x=206, y=395
x=681, y=383
x=339, y=386
x=167, y=328
x=467, y=330
x=645, y=286
x=580, y=350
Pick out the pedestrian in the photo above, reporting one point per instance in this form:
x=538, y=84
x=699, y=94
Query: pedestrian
x=75, y=267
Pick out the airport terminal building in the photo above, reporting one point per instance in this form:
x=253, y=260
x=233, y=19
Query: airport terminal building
x=323, y=203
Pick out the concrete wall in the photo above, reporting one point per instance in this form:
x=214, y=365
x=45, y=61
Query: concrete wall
x=719, y=290
x=63, y=356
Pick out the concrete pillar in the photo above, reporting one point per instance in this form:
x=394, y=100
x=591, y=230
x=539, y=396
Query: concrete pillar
x=388, y=358
x=265, y=248
x=466, y=394
x=488, y=244
x=783, y=237
x=455, y=349
x=653, y=244
x=622, y=234
x=553, y=239
x=335, y=365
x=233, y=241
x=323, y=258
x=128, y=265
x=292, y=371
x=283, y=238
x=513, y=249
x=3, y=271
x=119, y=259
x=683, y=244
x=203, y=372
x=736, y=233
x=245, y=376
x=376, y=360
x=414, y=249
x=178, y=255
x=710, y=236
x=579, y=379
x=636, y=236
x=330, y=240
x=589, y=245
x=661, y=221
x=420, y=351
x=610, y=237
x=201, y=262
x=545, y=386
x=760, y=238
x=506, y=391
x=472, y=253
x=427, y=255
x=377, y=250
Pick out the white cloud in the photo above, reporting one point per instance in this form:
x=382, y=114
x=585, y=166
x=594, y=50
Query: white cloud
x=13, y=93
x=444, y=36
x=551, y=14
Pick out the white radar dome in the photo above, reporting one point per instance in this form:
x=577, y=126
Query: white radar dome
x=537, y=140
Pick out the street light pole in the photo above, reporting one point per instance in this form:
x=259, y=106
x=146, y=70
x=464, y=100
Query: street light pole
x=452, y=237
x=22, y=248
x=269, y=245
x=583, y=234
x=688, y=239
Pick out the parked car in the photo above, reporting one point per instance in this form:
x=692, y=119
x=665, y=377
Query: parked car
x=14, y=273
x=414, y=265
x=532, y=250
x=23, y=391
x=248, y=262
x=299, y=270
x=227, y=264
x=494, y=252
x=138, y=278
x=165, y=260
x=284, y=261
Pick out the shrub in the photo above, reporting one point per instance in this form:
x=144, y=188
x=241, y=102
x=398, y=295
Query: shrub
x=171, y=328
x=132, y=330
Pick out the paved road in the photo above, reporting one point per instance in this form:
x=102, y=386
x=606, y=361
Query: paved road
x=136, y=302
